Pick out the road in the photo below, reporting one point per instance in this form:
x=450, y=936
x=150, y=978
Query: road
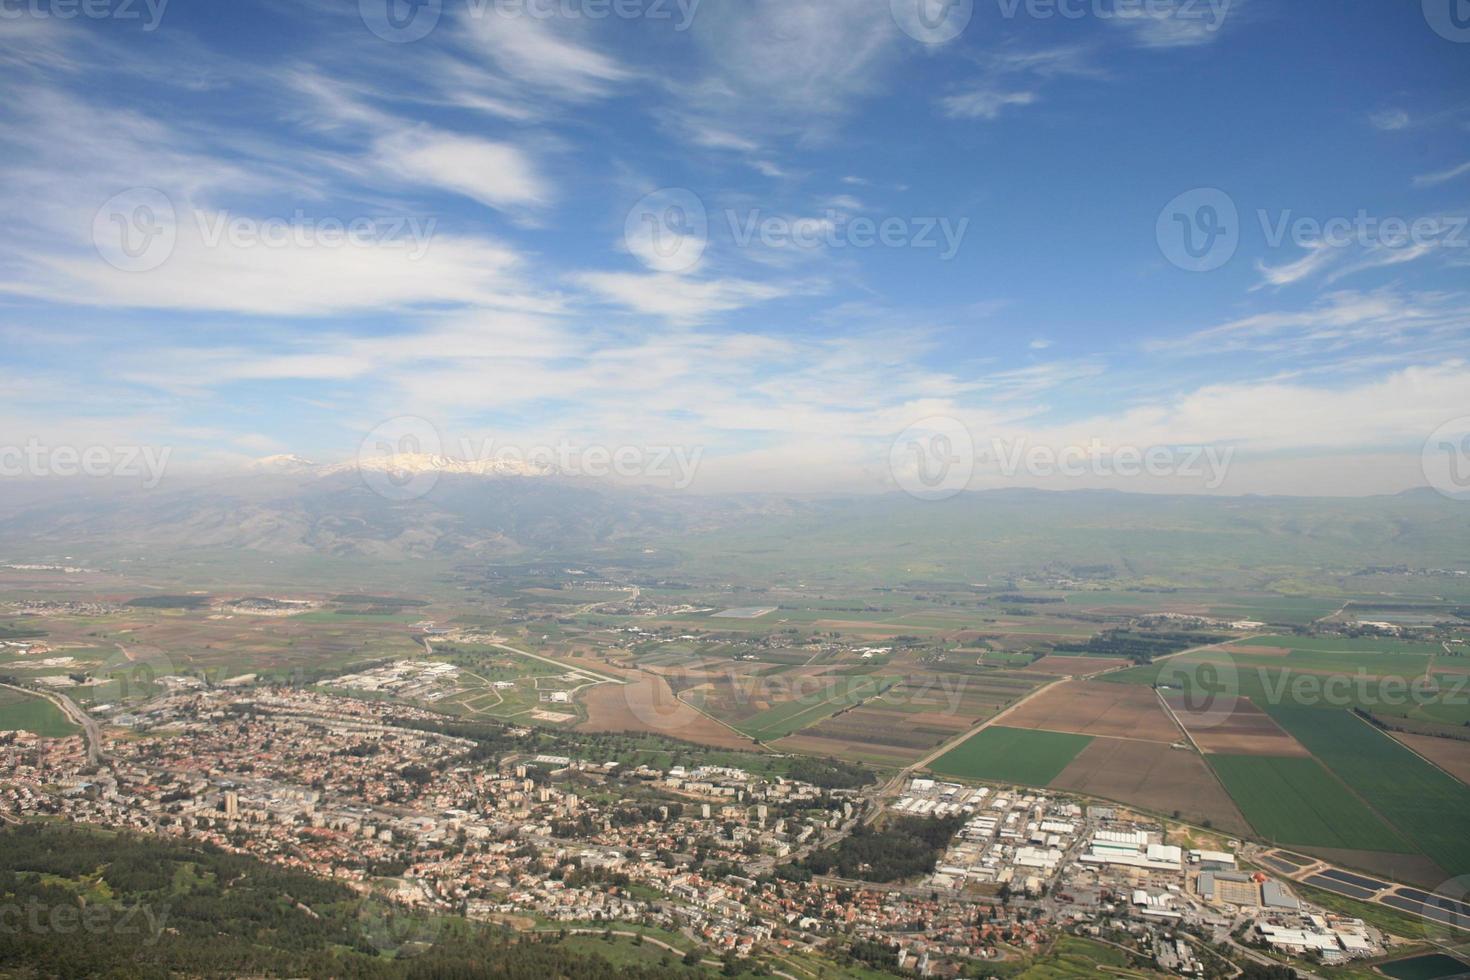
x=91, y=733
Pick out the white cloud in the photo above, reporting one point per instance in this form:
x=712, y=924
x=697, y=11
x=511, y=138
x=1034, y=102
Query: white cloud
x=537, y=53
x=1319, y=256
x=984, y=103
x=497, y=175
x=1390, y=120
x=305, y=279
x=677, y=298
x=1442, y=176
x=1176, y=23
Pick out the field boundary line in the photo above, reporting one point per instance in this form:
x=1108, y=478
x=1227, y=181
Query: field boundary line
x=1409, y=748
x=1169, y=710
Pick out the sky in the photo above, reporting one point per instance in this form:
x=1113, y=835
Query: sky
x=818, y=245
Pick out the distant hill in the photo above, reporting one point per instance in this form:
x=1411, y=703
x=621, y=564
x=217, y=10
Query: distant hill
x=296, y=508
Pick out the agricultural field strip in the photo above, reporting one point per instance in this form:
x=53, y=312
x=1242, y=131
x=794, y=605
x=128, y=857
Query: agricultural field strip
x=1412, y=795
x=1019, y=755
x=1295, y=800
x=792, y=716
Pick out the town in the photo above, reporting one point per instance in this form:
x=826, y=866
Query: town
x=364, y=791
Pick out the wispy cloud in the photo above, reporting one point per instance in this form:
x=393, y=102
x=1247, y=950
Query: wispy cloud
x=1390, y=120
x=1442, y=176
x=984, y=103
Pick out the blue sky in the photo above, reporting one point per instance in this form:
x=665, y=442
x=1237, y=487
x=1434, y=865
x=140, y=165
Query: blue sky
x=493, y=167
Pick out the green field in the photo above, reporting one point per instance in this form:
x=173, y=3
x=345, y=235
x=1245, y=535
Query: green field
x=1012, y=755
x=1423, y=803
x=32, y=713
x=792, y=716
x=1386, y=689
x=1347, y=644
x=1296, y=801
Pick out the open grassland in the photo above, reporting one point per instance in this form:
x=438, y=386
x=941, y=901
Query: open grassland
x=32, y=713
x=1423, y=803
x=1012, y=755
x=1075, y=958
x=1296, y=801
